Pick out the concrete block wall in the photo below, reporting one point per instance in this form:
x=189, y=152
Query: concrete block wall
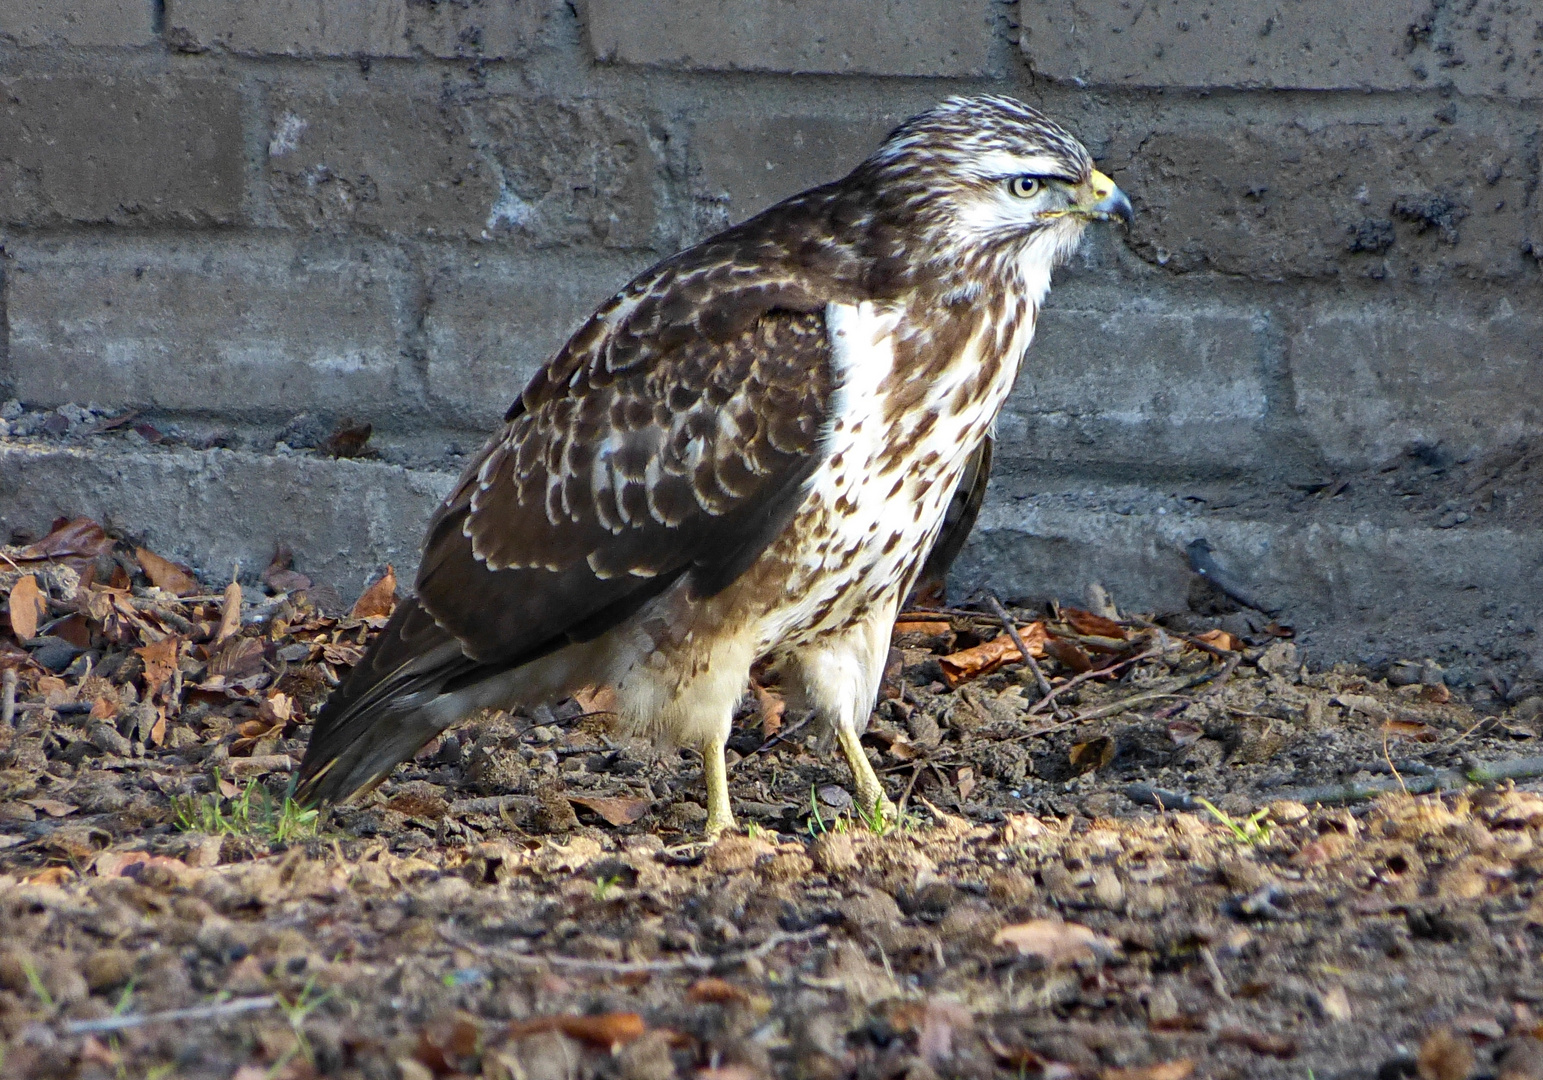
x=227, y=214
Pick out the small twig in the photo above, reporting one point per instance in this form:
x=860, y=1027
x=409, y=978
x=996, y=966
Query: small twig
x=1216, y=678
x=1527, y=768
x=781, y=736
x=916, y=771
x=8, y=697
x=1011, y=626
x=1076, y=680
x=1218, y=981
x=694, y=962
x=1389, y=759
x=234, y=1007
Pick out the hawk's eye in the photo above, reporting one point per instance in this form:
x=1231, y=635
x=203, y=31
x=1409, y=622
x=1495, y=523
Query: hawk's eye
x=1025, y=187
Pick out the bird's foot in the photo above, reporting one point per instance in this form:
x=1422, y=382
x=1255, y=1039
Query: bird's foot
x=873, y=805
x=720, y=815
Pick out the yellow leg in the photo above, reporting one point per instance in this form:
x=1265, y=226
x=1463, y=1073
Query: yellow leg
x=870, y=793
x=720, y=815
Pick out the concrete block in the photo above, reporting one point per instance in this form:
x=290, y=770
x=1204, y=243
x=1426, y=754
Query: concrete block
x=127, y=151
x=92, y=24
x=402, y=162
x=493, y=320
x=881, y=37
x=558, y=173
x=344, y=520
x=750, y=163
x=573, y=172
x=247, y=330
x=490, y=29
x=1112, y=381
x=1308, y=44
x=1436, y=195
x=1488, y=49
x=1373, y=380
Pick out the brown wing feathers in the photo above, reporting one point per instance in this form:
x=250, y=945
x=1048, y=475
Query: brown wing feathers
x=671, y=436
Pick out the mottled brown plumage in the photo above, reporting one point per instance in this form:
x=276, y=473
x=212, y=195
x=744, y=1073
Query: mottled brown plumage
x=745, y=454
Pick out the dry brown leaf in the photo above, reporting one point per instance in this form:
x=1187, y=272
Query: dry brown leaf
x=1086, y=622
x=80, y=538
x=134, y=863
x=1184, y=732
x=52, y=807
x=165, y=574
x=1417, y=730
x=616, y=811
x=29, y=607
x=1068, y=654
x=609, y=1031
x=160, y=659
x=158, y=729
x=54, y=875
x=1220, y=639
x=74, y=629
x=967, y=664
x=1058, y=944
x=596, y=699
x=1091, y=755
x=379, y=599
x=917, y=624
x=230, y=614
x=1163, y=1070
x=964, y=780
x=770, y=706
x=711, y=991
x=444, y=1041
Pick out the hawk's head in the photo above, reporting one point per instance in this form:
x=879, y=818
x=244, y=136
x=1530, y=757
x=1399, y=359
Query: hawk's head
x=990, y=177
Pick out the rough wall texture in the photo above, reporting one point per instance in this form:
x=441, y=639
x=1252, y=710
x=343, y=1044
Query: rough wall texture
x=1321, y=346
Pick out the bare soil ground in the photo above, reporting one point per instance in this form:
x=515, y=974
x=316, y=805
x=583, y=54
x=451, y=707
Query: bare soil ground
x=530, y=897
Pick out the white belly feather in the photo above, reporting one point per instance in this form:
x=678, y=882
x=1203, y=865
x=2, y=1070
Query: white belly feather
x=878, y=536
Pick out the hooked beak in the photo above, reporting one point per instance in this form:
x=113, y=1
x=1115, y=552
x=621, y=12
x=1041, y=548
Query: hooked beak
x=1107, y=202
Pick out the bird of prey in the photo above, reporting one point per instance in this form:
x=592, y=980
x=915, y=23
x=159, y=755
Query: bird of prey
x=744, y=455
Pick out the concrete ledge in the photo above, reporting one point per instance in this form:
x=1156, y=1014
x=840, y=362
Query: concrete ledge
x=1365, y=589
x=1354, y=586
x=343, y=519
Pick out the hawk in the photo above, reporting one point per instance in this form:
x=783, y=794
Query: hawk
x=744, y=455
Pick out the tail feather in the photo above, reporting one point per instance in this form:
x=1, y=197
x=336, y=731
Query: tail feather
x=389, y=706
